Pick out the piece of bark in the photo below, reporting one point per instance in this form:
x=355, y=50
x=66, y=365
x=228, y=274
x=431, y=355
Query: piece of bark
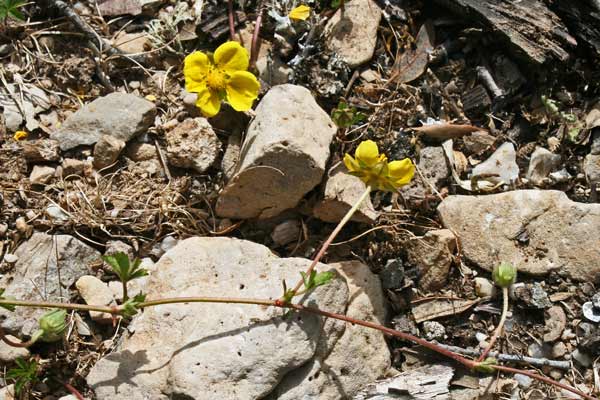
x=582, y=17
x=533, y=32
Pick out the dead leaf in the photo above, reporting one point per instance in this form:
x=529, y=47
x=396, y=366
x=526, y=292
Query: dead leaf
x=413, y=63
x=446, y=131
x=592, y=119
x=479, y=184
x=436, y=308
x=460, y=162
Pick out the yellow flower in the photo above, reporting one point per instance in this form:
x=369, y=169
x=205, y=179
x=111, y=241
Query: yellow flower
x=300, y=13
x=221, y=76
x=375, y=170
x=20, y=135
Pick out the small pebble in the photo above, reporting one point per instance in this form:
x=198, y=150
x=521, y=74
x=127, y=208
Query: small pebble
x=590, y=312
x=433, y=330
x=559, y=350
x=480, y=336
x=133, y=85
x=484, y=287
x=10, y=258
x=523, y=380
x=596, y=300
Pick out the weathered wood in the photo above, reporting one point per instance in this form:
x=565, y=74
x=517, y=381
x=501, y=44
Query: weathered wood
x=582, y=17
x=532, y=31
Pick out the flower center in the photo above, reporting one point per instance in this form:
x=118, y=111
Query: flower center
x=215, y=79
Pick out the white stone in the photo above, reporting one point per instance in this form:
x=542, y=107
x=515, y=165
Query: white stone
x=500, y=167
x=217, y=351
x=484, y=287
x=95, y=292
x=562, y=234
x=283, y=156
x=41, y=174
x=542, y=163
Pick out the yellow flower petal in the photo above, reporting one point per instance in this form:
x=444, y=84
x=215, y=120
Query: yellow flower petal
x=231, y=57
x=367, y=152
x=401, y=172
x=300, y=13
x=242, y=89
x=208, y=102
x=195, y=68
x=351, y=163
x=20, y=135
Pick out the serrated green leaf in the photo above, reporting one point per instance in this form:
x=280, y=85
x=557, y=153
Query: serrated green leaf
x=130, y=307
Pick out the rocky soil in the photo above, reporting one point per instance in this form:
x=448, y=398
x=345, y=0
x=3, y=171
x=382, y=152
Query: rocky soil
x=103, y=151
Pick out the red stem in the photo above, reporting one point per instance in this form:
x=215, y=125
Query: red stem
x=73, y=391
x=256, y=38
x=231, y=20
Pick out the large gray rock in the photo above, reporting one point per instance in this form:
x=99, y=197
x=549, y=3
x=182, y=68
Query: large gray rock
x=591, y=167
x=47, y=268
x=537, y=230
x=283, y=156
x=121, y=115
x=352, y=34
x=217, y=351
x=340, y=369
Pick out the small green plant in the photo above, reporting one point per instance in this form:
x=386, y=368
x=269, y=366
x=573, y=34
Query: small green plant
x=125, y=269
x=10, y=8
x=131, y=306
x=568, y=121
x=25, y=374
x=345, y=116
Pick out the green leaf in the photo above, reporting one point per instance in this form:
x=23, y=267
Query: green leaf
x=130, y=307
x=11, y=8
x=486, y=366
x=125, y=269
x=9, y=307
x=25, y=373
x=323, y=278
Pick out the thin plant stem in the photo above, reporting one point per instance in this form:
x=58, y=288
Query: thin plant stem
x=299, y=307
x=125, y=297
x=500, y=326
x=231, y=20
x=255, y=46
x=333, y=234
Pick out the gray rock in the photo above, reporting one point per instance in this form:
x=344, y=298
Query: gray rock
x=392, y=274
x=542, y=163
x=591, y=167
x=9, y=354
x=286, y=232
x=231, y=155
x=523, y=380
x=72, y=166
x=342, y=191
x=556, y=234
x=560, y=176
x=434, y=169
x=283, y=156
x=353, y=34
x=432, y=254
x=41, y=174
x=180, y=350
x=478, y=142
x=95, y=292
x=120, y=115
x=107, y=150
x=500, y=167
x=193, y=144
x=48, y=266
x=559, y=350
x=340, y=368
x=531, y=295
x=57, y=214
